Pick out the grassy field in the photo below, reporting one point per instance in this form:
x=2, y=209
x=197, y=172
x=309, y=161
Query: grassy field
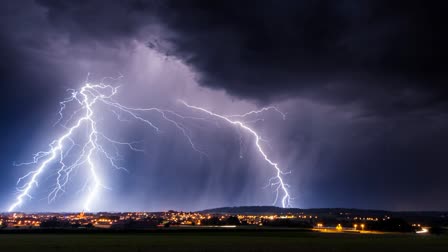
x=222, y=241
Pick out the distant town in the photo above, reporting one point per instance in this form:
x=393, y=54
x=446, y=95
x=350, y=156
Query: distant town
x=321, y=220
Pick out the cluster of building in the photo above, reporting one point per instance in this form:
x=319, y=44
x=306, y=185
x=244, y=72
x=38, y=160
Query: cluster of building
x=174, y=218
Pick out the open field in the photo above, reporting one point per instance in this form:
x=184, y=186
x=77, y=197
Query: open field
x=221, y=241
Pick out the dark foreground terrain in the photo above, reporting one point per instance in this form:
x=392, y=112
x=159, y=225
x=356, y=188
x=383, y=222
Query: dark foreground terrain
x=231, y=240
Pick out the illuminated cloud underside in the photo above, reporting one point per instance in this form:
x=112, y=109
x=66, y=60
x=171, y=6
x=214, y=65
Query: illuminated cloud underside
x=93, y=147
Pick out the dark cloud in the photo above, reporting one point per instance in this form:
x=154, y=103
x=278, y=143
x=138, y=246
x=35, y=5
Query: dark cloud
x=339, y=52
x=105, y=21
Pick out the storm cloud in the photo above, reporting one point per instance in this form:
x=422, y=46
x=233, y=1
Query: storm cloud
x=369, y=52
x=362, y=82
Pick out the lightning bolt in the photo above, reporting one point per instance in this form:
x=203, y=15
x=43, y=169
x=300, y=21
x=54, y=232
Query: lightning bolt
x=88, y=99
x=277, y=181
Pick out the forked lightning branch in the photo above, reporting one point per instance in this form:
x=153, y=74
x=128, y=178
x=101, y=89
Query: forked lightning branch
x=95, y=145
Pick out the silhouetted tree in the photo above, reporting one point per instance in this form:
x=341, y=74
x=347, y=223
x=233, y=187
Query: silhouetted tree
x=54, y=223
x=391, y=225
x=437, y=230
x=233, y=220
x=212, y=221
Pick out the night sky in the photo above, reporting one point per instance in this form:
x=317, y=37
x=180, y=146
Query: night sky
x=363, y=85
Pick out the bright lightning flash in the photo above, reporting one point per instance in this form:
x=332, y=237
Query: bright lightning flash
x=277, y=181
x=87, y=99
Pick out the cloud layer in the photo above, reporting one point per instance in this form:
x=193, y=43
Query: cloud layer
x=362, y=82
